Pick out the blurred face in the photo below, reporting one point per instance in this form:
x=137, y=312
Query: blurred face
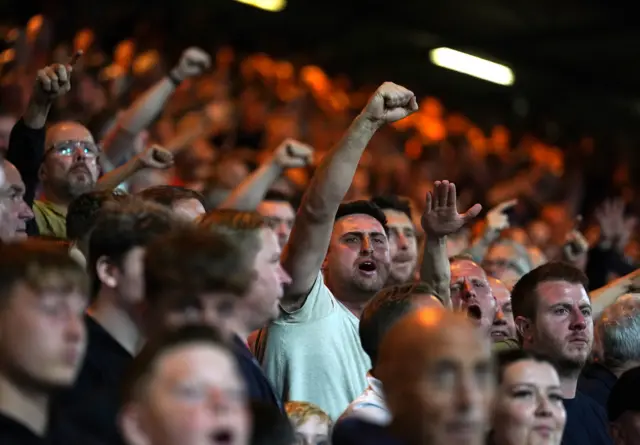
x=71, y=166
x=503, y=325
x=262, y=302
x=563, y=328
x=188, y=209
x=6, y=124
x=403, y=247
x=314, y=431
x=188, y=404
x=626, y=430
x=471, y=293
x=281, y=216
x=539, y=233
x=528, y=408
x=216, y=309
x=130, y=284
x=358, y=256
x=444, y=391
x=498, y=260
x=42, y=335
x=14, y=212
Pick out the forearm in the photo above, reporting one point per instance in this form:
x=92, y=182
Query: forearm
x=35, y=116
x=142, y=112
x=435, y=269
x=334, y=175
x=119, y=175
x=252, y=190
x=606, y=295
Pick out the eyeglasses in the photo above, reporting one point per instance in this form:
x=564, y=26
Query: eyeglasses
x=69, y=148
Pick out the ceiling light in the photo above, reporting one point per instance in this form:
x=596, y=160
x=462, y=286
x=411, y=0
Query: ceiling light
x=472, y=65
x=267, y=5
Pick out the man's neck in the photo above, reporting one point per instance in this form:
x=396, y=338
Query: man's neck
x=117, y=322
x=568, y=383
x=30, y=409
x=352, y=299
x=56, y=198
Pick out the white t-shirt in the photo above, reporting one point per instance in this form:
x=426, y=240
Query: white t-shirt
x=370, y=405
x=314, y=354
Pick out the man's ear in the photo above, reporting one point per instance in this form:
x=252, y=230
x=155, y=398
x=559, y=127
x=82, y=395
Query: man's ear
x=107, y=273
x=524, y=328
x=42, y=174
x=130, y=422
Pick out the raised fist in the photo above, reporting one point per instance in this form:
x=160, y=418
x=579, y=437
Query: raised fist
x=155, y=157
x=52, y=82
x=497, y=217
x=390, y=103
x=193, y=62
x=293, y=154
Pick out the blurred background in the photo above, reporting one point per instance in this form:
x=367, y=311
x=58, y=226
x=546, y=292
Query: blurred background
x=562, y=137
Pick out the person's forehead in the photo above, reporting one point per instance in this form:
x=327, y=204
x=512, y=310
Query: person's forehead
x=358, y=223
x=531, y=372
x=270, y=242
x=276, y=208
x=396, y=218
x=196, y=358
x=501, y=250
x=467, y=268
x=558, y=291
x=12, y=175
x=500, y=291
x=68, y=131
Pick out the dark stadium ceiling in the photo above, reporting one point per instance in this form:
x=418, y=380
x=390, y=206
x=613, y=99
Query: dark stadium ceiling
x=576, y=54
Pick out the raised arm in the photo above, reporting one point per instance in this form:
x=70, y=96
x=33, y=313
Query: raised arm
x=441, y=218
x=142, y=112
x=152, y=157
x=247, y=196
x=312, y=229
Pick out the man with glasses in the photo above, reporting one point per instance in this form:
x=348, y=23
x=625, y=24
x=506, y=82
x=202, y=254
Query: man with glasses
x=69, y=169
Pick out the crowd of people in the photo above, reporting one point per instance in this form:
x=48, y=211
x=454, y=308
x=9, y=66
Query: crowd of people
x=181, y=269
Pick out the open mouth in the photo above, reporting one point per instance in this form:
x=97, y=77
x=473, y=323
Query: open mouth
x=222, y=437
x=500, y=335
x=474, y=312
x=367, y=266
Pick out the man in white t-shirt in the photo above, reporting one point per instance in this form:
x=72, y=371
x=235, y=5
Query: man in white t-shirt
x=312, y=352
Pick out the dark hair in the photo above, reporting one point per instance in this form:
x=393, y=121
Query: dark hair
x=83, y=211
x=524, y=295
x=270, y=426
x=40, y=265
x=142, y=366
x=510, y=356
x=393, y=202
x=120, y=228
x=167, y=195
x=362, y=207
x=384, y=310
x=274, y=195
x=191, y=261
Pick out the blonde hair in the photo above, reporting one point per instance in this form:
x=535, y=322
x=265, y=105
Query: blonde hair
x=300, y=412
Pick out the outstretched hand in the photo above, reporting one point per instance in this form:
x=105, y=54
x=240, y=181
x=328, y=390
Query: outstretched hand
x=54, y=81
x=441, y=216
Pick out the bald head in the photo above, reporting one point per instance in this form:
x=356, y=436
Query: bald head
x=438, y=378
x=67, y=131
